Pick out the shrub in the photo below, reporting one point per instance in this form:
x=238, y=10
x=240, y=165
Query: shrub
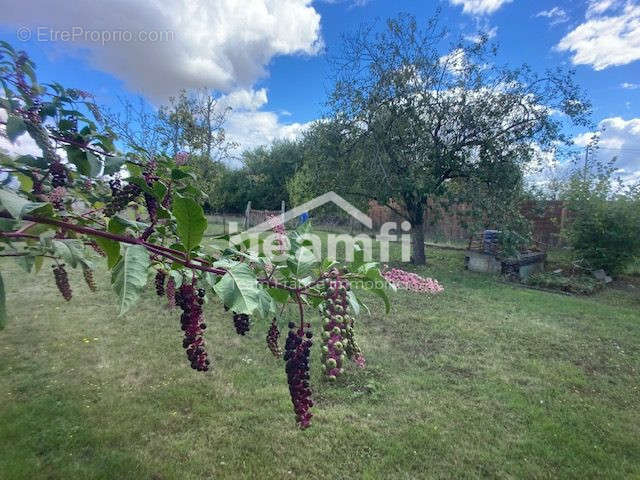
x=604, y=231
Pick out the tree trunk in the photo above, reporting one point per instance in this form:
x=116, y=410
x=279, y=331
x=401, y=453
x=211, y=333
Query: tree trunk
x=417, y=242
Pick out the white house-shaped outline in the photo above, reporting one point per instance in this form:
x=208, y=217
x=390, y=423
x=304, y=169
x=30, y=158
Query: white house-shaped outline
x=311, y=205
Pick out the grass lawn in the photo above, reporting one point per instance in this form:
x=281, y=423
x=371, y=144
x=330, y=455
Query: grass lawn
x=484, y=380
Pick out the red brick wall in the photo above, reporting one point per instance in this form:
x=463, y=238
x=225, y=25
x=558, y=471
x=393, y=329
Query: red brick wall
x=446, y=225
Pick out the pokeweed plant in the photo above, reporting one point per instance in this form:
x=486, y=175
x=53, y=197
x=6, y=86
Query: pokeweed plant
x=141, y=213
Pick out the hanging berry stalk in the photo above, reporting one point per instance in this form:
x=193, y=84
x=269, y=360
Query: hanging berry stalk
x=62, y=281
x=351, y=347
x=334, y=323
x=89, y=279
x=272, y=339
x=97, y=249
x=171, y=292
x=296, y=356
x=160, y=278
x=242, y=323
x=120, y=197
x=59, y=175
x=191, y=319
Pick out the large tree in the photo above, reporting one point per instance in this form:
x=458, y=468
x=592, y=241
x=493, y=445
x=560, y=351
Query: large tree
x=417, y=119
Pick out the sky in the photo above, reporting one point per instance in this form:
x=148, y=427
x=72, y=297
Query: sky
x=269, y=58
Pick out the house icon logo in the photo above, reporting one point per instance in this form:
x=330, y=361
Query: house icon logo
x=364, y=241
x=295, y=212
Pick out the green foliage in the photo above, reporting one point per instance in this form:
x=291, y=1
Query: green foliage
x=604, y=228
x=422, y=118
x=190, y=222
x=129, y=276
x=151, y=219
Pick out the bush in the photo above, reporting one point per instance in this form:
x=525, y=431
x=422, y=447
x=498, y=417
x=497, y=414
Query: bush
x=606, y=234
x=604, y=229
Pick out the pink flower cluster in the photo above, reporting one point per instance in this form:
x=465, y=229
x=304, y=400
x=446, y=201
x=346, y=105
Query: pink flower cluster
x=278, y=228
x=181, y=158
x=412, y=281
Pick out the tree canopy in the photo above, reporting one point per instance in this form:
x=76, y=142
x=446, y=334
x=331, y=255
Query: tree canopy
x=412, y=120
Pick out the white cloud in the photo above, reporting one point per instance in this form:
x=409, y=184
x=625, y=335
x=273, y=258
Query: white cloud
x=253, y=129
x=352, y=3
x=596, y=7
x=479, y=7
x=556, y=15
x=244, y=99
x=630, y=86
x=222, y=44
x=605, y=41
x=617, y=138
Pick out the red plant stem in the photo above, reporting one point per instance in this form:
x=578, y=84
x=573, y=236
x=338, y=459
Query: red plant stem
x=169, y=253
x=300, y=307
x=17, y=234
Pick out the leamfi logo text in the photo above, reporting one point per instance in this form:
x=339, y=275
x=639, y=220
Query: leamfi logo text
x=262, y=236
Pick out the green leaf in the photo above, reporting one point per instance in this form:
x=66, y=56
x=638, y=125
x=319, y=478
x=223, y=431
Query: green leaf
x=129, y=276
x=278, y=294
x=3, y=304
x=94, y=164
x=239, y=290
x=12, y=203
x=353, y=302
x=37, y=263
x=18, y=206
x=26, y=182
x=381, y=292
x=71, y=250
x=191, y=222
x=25, y=262
x=15, y=127
x=86, y=162
x=111, y=248
x=118, y=224
x=113, y=165
x=8, y=224
x=31, y=161
x=302, y=263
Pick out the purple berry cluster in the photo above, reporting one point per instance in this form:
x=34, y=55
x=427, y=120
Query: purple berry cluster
x=120, y=196
x=171, y=292
x=242, y=323
x=59, y=176
x=89, y=279
x=97, y=249
x=62, y=281
x=335, y=322
x=161, y=275
x=190, y=301
x=272, y=339
x=296, y=356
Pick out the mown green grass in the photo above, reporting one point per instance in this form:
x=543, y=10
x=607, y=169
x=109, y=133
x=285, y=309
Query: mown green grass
x=484, y=380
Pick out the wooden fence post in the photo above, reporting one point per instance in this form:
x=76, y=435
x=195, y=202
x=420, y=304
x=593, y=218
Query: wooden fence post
x=246, y=215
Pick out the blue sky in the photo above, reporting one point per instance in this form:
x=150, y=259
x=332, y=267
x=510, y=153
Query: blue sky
x=270, y=56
